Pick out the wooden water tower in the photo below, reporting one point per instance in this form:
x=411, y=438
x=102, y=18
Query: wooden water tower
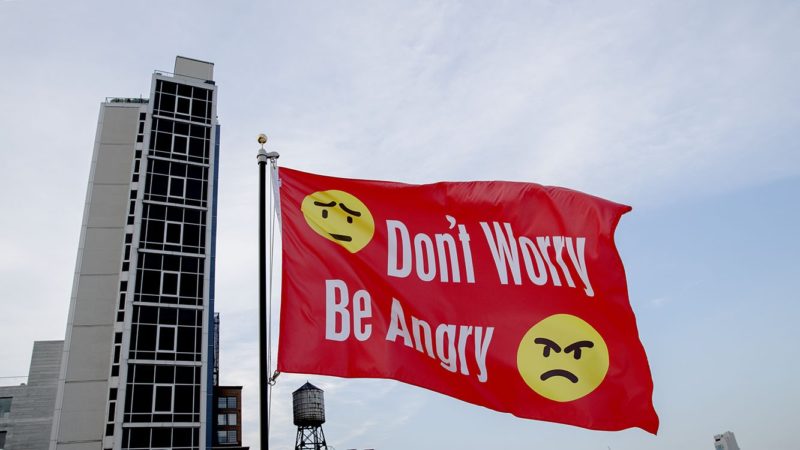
x=309, y=415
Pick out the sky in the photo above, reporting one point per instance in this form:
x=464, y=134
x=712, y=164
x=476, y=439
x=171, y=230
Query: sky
x=687, y=111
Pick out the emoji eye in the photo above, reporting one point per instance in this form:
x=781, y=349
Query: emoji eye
x=349, y=219
x=548, y=345
x=324, y=213
x=576, y=348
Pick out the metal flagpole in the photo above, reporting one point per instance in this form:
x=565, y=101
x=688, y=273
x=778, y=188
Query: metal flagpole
x=263, y=341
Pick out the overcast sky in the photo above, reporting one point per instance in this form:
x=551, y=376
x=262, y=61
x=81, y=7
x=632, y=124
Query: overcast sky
x=688, y=111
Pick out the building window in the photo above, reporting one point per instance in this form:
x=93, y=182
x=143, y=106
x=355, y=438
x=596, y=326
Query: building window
x=2, y=440
x=226, y=437
x=170, y=282
x=180, y=144
x=173, y=233
x=162, y=398
x=5, y=407
x=226, y=402
x=166, y=338
x=177, y=187
x=226, y=419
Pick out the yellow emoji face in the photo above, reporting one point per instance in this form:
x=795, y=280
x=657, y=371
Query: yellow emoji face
x=562, y=358
x=339, y=217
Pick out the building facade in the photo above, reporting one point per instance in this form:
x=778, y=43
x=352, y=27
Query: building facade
x=228, y=418
x=26, y=411
x=725, y=441
x=137, y=360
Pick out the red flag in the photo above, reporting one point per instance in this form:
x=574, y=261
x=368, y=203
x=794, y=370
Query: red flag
x=507, y=295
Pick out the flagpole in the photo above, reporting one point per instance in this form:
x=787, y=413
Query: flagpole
x=263, y=341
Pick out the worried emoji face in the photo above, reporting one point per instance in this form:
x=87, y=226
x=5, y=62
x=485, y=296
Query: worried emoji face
x=562, y=358
x=339, y=217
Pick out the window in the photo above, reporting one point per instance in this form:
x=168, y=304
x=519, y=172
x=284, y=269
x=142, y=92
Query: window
x=2, y=440
x=177, y=187
x=183, y=105
x=226, y=402
x=5, y=407
x=170, y=282
x=180, y=143
x=226, y=436
x=166, y=338
x=173, y=233
x=226, y=419
x=162, y=398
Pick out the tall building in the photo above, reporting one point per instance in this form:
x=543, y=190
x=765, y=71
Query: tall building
x=725, y=441
x=137, y=362
x=26, y=410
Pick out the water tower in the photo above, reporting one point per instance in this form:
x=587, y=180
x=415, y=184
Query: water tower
x=309, y=415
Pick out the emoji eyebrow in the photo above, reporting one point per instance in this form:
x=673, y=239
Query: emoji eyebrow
x=348, y=210
x=578, y=345
x=548, y=343
x=331, y=203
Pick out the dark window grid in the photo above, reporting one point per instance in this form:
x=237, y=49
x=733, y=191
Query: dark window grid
x=176, y=438
x=201, y=112
x=185, y=273
x=174, y=373
x=183, y=108
x=171, y=236
x=148, y=343
x=176, y=183
x=190, y=316
x=196, y=193
x=187, y=90
x=173, y=213
x=186, y=264
x=159, y=402
x=197, y=153
x=177, y=126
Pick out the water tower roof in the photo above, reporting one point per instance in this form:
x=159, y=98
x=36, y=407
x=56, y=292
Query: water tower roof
x=308, y=387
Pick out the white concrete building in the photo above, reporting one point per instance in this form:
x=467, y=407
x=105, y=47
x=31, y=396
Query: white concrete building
x=26, y=410
x=725, y=441
x=136, y=369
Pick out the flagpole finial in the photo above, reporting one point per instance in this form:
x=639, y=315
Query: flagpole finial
x=263, y=156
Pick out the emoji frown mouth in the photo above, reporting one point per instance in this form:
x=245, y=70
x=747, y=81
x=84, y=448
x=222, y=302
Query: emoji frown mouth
x=341, y=237
x=559, y=373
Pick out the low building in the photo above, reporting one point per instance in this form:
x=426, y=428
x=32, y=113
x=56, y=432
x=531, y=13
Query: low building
x=228, y=418
x=26, y=411
x=725, y=441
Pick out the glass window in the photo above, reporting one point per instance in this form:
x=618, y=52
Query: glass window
x=180, y=143
x=5, y=406
x=232, y=419
x=2, y=440
x=231, y=436
x=177, y=187
x=222, y=419
x=170, y=282
x=173, y=233
x=222, y=402
x=222, y=437
x=166, y=338
x=162, y=398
